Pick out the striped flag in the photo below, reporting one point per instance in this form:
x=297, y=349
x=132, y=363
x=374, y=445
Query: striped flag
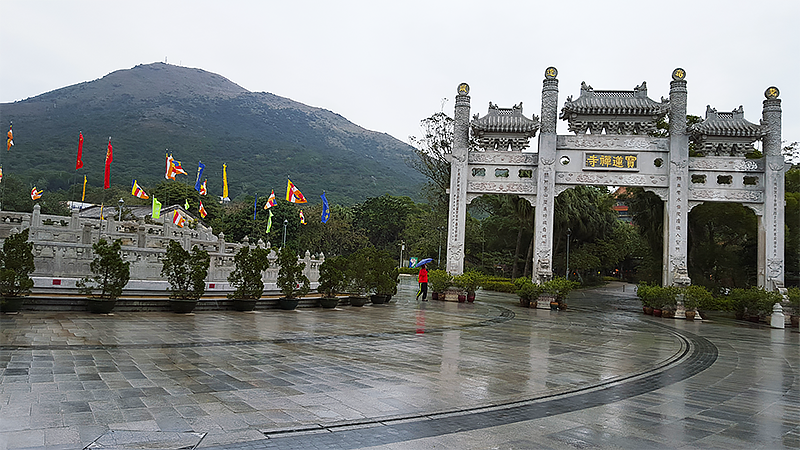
x=35, y=195
x=293, y=194
x=203, y=188
x=269, y=222
x=302, y=217
x=83, y=197
x=271, y=200
x=178, y=219
x=137, y=191
x=10, y=141
x=202, y=210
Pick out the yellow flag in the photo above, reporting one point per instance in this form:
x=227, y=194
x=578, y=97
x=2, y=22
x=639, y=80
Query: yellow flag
x=224, y=182
x=83, y=197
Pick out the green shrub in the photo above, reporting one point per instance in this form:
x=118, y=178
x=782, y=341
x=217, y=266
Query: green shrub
x=794, y=299
x=499, y=285
x=110, y=273
x=527, y=289
x=697, y=297
x=246, y=276
x=16, y=264
x=439, y=280
x=754, y=301
x=291, y=280
x=560, y=287
x=186, y=272
x=332, y=276
x=469, y=281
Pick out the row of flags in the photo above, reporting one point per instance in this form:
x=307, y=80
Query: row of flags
x=172, y=169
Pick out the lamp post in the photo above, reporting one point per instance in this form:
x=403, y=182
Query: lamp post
x=439, y=261
x=285, y=222
x=569, y=233
x=121, y=203
x=402, y=247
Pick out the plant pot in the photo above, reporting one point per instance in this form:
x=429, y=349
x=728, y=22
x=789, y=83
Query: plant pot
x=356, y=300
x=100, y=306
x=562, y=306
x=524, y=302
x=242, y=304
x=434, y=296
x=668, y=314
x=182, y=306
x=690, y=315
x=462, y=298
x=656, y=312
x=553, y=306
x=379, y=299
x=795, y=321
x=648, y=310
x=470, y=297
x=328, y=302
x=288, y=304
x=11, y=304
x=534, y=304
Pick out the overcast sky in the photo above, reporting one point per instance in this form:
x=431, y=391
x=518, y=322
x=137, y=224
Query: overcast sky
x=387, y=65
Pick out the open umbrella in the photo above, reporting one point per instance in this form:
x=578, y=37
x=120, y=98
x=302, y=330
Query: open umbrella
x=423, y=261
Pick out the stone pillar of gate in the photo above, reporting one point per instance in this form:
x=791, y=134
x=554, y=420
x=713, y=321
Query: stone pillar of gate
x=771, y=250
x=676, y=209
x=457, y=212
x=545, y=181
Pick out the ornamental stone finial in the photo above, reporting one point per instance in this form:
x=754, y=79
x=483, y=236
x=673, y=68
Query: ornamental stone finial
x=463, y=89
x=550, y=72
x=772, y=92
x=678, y=74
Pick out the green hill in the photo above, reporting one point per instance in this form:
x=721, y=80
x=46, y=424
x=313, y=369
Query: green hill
x=200, y=116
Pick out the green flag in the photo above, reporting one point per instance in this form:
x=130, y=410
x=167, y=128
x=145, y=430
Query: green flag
x=269, y=222
x=156, y=208
x=186, y=205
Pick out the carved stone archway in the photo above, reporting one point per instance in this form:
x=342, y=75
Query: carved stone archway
x=612, y=145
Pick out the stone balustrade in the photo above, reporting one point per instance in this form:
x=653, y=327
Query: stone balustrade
x=62, y=248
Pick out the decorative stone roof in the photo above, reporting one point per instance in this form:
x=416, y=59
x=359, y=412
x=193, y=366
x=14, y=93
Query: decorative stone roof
x=616, y=112
x=504, y=128
x=725, y=133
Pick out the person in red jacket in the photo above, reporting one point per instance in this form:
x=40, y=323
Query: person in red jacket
x=423, y=283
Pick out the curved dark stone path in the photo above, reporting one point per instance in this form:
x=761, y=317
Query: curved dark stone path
x=403, y=375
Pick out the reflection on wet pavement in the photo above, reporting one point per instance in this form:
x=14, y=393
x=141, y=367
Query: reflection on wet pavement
x=404, y=375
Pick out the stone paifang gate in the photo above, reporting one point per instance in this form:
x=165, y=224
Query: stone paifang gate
x=611, y=145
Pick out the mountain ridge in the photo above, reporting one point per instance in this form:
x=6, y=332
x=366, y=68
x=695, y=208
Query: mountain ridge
x=197, y=115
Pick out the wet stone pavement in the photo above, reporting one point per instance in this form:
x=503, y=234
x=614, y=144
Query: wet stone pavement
x=407, y=375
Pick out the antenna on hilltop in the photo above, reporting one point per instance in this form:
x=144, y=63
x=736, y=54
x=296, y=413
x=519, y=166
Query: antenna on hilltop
x=165, y=60
x=444, y=100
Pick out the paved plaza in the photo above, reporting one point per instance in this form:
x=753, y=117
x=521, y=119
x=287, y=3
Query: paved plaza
x=407, y=375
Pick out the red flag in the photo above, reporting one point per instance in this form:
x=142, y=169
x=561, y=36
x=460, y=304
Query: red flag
x=79, y=163
x=109, y=159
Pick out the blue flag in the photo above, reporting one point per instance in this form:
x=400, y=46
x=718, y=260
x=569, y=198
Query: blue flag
x=199, y=183
x=325, y=211
x=255, y=207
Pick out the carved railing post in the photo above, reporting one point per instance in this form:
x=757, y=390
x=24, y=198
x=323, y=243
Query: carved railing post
x=457, y=212
x=771, y=250
x=676, y=209
x=545, y=181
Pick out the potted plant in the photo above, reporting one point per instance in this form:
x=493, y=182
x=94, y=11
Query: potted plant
x=16, y=264
x=646, y=293
x=382, y=276
x=186, y=273
x=470, y=282
x=291, y=280
x=332, y=280
x=528, y=292
x=693, y=297
x=358, y=283
x=439, y=281
x=246, y=277
x=109, y=276
x=559, y=288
